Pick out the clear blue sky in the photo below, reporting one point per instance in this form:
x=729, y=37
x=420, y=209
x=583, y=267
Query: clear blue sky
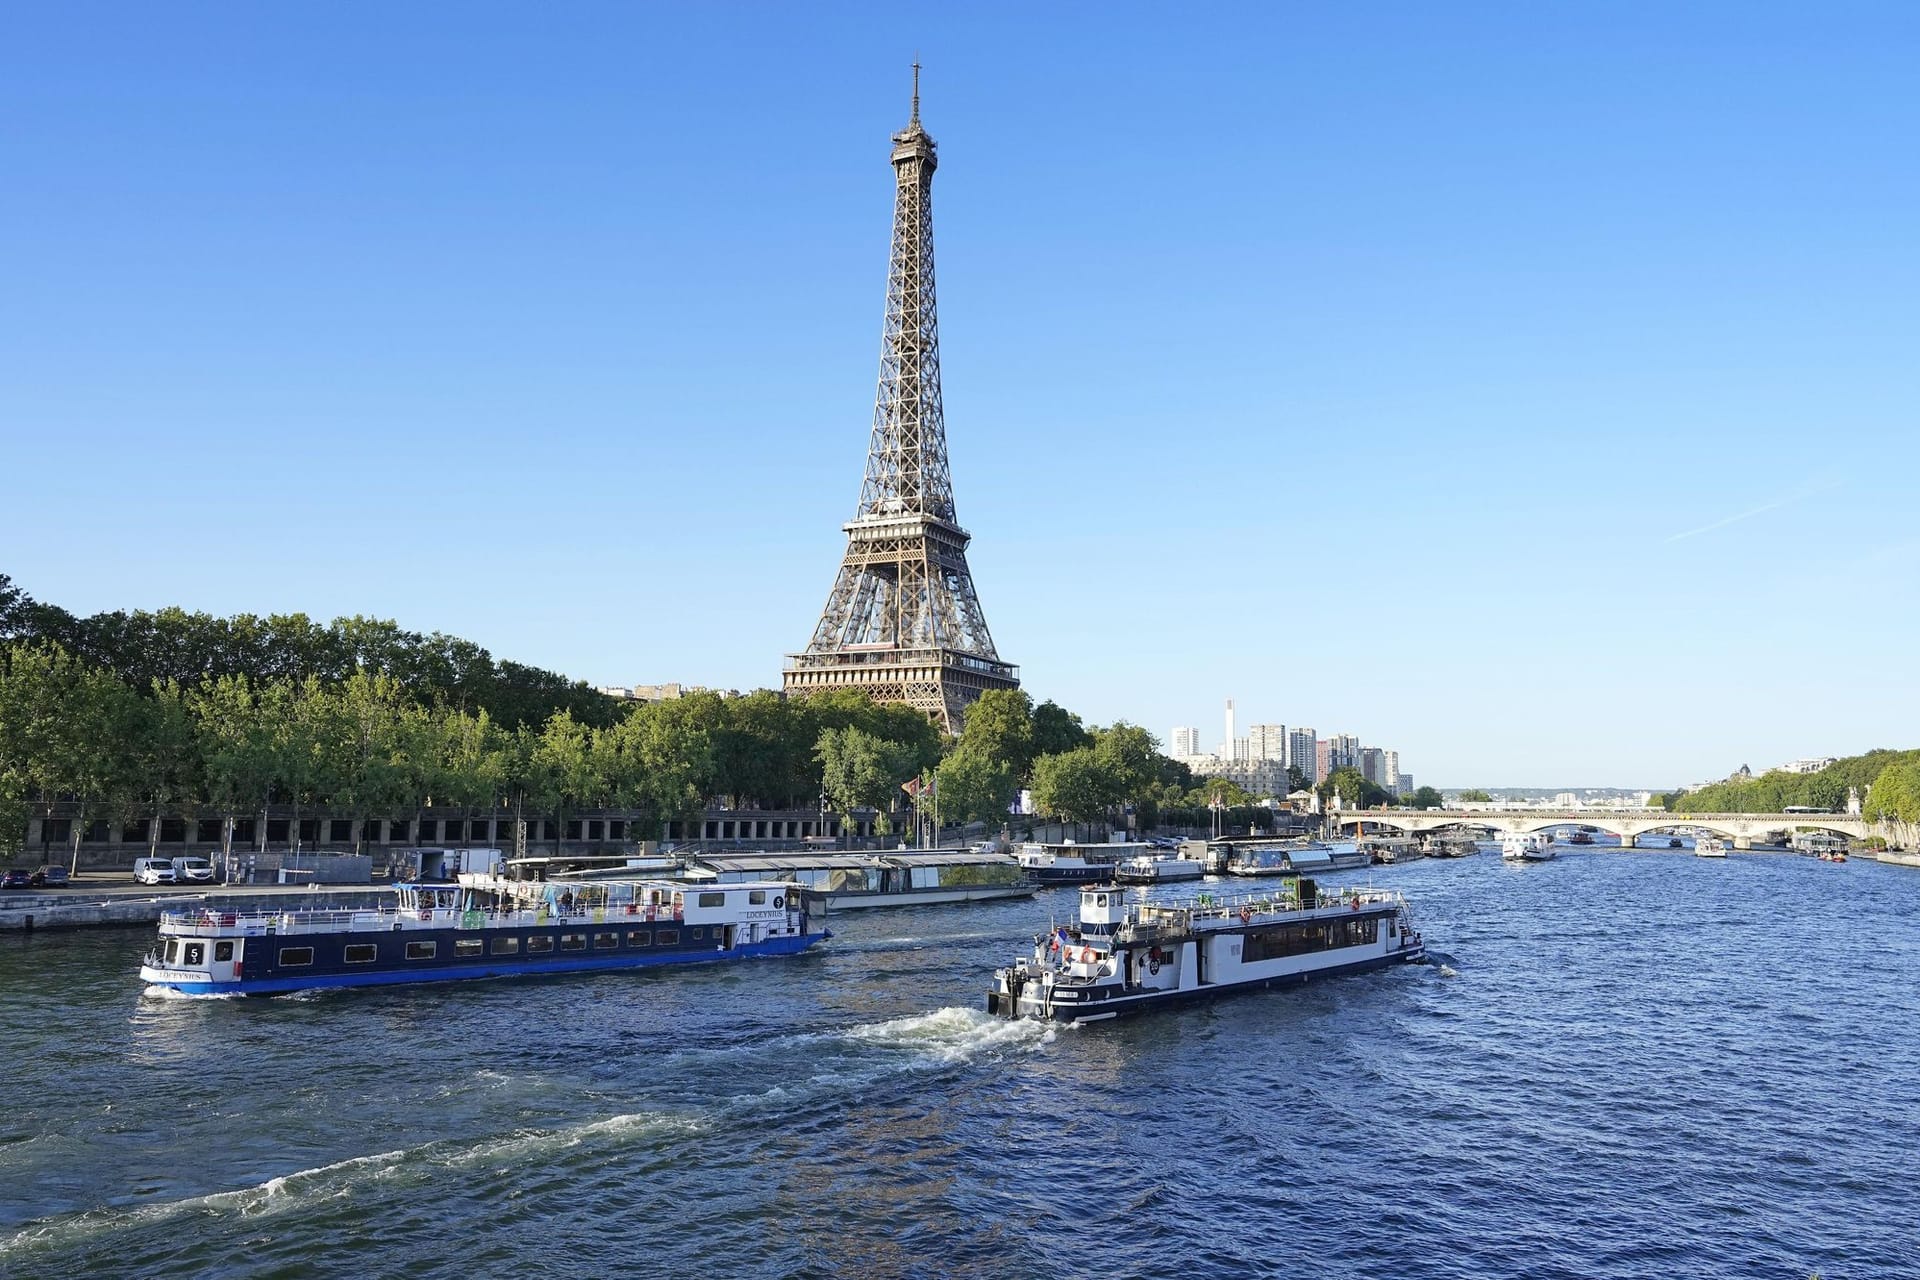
x=1529, y=388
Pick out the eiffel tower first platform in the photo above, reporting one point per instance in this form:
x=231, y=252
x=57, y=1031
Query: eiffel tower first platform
x=903, y=621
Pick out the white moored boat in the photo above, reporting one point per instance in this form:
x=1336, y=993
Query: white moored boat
x=1526, y=846
x=1124, y=957
x=1709, y=847
x=1158, y=869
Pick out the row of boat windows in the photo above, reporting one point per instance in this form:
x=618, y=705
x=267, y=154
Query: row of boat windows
x=194, y=954
x=536, y=944
x=1300, y=939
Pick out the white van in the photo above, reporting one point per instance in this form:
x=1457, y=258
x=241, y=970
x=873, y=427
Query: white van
x=154, y=871
x=192, y=871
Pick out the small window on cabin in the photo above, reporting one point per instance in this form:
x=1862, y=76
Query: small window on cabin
x=640, y=938
x=713, y=899
x=295, y=957
x=468, y=946
x=422, y=950
x=573, y=942
x=362, y=953
x=506, y=946
x=196, y=955
x=173, y=950
x=222, y=951
x=605, y=941
x=756, y=897
x=540, y=942
x=666, y=937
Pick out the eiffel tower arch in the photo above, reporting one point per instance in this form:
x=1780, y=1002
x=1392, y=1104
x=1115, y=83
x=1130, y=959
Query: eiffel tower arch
x=903, y=620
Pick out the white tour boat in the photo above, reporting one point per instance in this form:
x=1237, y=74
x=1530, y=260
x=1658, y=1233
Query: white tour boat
x=1709, y=847
x=1125, y=957
x=1526, y=846
x=843, y=881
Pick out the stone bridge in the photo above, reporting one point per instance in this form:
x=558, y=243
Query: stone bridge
x=1743, y=829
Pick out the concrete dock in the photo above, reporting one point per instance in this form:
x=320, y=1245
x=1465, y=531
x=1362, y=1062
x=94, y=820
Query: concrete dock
x=84, y=906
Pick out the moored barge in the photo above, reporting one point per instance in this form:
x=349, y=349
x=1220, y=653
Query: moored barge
x=1125, y=957
x=482, y=927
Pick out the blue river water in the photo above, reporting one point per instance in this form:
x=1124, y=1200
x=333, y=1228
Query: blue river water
x=1635, y=1064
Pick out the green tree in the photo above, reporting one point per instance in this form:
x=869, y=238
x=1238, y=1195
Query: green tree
x=1073, y=785
x=1057, y=730
x=999, y=729
x=975, y=787
x=1426, y=798
x=859, y=770
x=237, y=748
x=1472, y=796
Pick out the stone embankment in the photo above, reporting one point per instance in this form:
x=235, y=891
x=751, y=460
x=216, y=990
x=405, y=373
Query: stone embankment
x=71, y=909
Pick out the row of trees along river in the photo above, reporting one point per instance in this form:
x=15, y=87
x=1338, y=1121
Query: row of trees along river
x=1887, y=782
x=125, y=716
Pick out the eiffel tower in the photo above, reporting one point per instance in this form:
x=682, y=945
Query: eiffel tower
x=903, y=621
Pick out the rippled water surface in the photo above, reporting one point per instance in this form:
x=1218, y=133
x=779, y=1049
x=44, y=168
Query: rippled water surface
x=1635, y=1065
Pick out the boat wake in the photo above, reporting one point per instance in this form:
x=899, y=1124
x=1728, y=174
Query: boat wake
x=955, y=1034
x=303, y=1190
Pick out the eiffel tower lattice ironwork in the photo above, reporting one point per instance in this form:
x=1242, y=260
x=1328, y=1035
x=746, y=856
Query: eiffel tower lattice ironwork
x=903, y=621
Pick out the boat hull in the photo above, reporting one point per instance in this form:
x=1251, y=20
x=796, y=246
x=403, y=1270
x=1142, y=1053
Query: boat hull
x=465, y=969
x=1123, y=1006
x=923, y=897
x=1089, y=874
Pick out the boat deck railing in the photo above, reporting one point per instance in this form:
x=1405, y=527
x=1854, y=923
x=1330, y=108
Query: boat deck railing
x=1151, y=919
x=388, y=919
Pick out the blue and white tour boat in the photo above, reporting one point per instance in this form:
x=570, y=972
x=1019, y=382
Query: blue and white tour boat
x=1125, y=957
x=482, y=927
x=1071, y=863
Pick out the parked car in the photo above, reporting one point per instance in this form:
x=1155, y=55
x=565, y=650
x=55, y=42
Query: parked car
x=17, y=878
x=155, y=871
x=51, y=876
x=197, y=870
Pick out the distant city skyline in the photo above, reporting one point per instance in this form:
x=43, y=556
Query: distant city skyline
x=1580, y=338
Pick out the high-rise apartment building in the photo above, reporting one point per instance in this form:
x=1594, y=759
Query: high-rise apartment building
x=1267, y=742
x=1390, y=771
x=1345, y=752
x=1302, y=755
x=1373, y=765
x=1186, y=741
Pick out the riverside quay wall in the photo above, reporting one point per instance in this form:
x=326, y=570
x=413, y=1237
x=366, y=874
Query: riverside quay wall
x=112, y=845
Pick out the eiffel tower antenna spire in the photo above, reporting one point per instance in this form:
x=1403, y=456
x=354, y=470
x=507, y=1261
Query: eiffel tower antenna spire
x=902, y=620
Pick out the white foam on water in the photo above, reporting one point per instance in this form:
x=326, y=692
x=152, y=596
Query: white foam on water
x=276, y=1195
x=300, y=1190
x=1448, y=971
x=955, y=1034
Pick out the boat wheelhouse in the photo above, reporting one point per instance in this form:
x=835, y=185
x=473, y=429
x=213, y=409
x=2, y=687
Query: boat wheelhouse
x=843, y=881
x=481, y=927
x=1125, y=957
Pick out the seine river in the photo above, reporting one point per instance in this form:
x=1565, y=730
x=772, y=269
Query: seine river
x=1635, y=1065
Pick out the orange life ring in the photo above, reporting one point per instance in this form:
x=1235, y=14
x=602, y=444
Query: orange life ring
x=633, y=908
x=1246, y=914
x=649, y=913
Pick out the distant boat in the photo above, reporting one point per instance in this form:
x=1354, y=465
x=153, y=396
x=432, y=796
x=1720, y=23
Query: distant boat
x=1709, y=847
x=1157, y=869
x=1675, y=842
x=1580, y=837
x=1526, y=846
